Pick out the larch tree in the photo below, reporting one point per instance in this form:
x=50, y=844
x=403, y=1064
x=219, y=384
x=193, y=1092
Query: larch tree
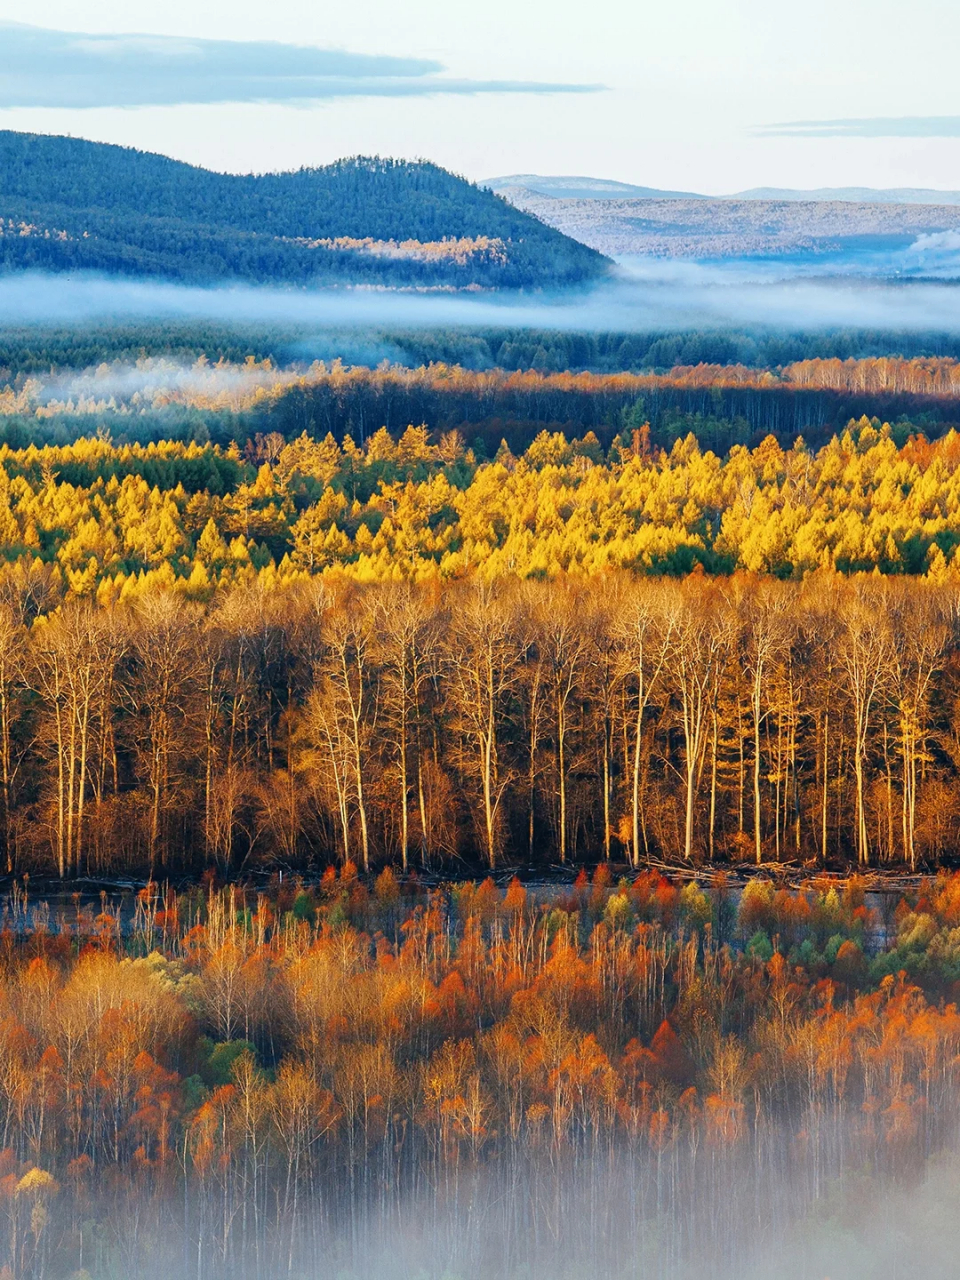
x=646, y=627
x=481, y=676
x=76, y=652
x=164, y=635
x=864, y=661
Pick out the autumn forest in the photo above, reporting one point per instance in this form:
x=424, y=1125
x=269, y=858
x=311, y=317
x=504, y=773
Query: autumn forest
x=348, y=1076
x=478, y=823
x=311, y=653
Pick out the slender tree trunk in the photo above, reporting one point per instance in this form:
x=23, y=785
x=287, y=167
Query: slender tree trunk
x=404, y=786
x=5, y=767
x=61, y=793
x=422, y=802
x=637, y=746
x=826, y=784
x=606, y=788
x=82, y=784
x=741, y=769
x=562, y=772
x=713, y=783
x=488, y=749
x=757, y=722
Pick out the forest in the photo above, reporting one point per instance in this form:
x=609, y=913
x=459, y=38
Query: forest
x=612, y=718
x=310, y=653
x=158, y=398
x=45, y=348
x=345, y=1078
x=735, y=403
x=307, y=653
x=67, y=204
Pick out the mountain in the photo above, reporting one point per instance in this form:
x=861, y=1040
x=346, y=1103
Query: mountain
x=69, y=204
x=570, y=188
x=728, y=228
x=855, y=195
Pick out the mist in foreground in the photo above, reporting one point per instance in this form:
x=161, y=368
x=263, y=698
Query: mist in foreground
x=608, y=1220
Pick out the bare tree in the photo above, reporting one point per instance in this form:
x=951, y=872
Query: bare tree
x=164, y=638
x=344, y=704
x=77, y=651
x=406, y=636
x=766, y=645
x=864, y=660
x=482, y=673
x=918, y=636
x=695, y=662
x=562, y=643
x=14, y=681
x=646, y=627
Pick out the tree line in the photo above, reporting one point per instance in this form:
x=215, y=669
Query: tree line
x=809, y=399
x=42, y=348
x=155, y=398
x=480, y=723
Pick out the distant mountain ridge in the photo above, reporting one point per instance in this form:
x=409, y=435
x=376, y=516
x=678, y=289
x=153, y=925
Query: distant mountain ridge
x=70, y=204
x=584, y=188
x=732, y=228
x=578, y=188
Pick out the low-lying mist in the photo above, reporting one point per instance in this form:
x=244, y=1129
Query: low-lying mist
x=646, y=294
x=695, y=1214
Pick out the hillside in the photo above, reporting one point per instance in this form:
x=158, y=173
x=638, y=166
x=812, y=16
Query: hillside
x=69, y=204
x=719, y=228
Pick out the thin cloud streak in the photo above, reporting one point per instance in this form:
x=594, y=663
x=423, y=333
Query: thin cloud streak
x=62, y=69
x=866, y=127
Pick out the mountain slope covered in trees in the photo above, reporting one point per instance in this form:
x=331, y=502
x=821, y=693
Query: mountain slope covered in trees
x=68, y=204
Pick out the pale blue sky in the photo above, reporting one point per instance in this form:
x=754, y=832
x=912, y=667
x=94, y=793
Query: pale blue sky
x=692, y=86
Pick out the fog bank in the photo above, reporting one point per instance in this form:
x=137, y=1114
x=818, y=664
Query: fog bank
x=645, y=295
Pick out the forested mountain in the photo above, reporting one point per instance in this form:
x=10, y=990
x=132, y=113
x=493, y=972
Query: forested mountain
x=856, y=195
x=66, y=203
x=584, y=188
x=580, y=188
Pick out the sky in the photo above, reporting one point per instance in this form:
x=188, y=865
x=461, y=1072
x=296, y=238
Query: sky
x=705, y=95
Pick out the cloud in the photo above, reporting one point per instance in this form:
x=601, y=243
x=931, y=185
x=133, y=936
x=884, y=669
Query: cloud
x=867, y=127
x=43, y=68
